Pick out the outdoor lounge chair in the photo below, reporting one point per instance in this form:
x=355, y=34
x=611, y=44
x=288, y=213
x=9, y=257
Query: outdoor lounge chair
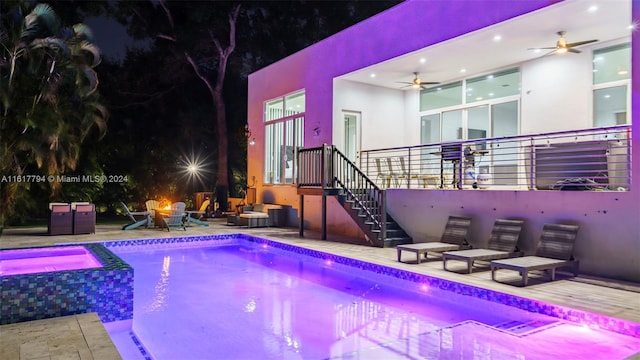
x=453, y=238
x=138, y=218
x=194, y=216
x=152, y=205
x=175, y=219
x=555, y=250
x=502, y=244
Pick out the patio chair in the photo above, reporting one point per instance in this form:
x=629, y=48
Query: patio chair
x=502, y=244
x=401, y=173
x=195, y=216
x=454, y=237
x=383, y=176
x=175, y=219
x=152, y=205
x=60, y=219
x=138, y=218
x=84, y=218
x=555, y=250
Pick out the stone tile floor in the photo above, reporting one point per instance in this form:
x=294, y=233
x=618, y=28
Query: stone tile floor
x=60, y=338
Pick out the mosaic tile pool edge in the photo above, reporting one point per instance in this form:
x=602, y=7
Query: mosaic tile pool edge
x=621, y=326
x=107, y=290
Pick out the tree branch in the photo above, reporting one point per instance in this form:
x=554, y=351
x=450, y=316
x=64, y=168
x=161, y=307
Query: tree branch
x=198, y=73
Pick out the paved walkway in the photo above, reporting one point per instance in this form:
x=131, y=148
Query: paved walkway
x=607, y=297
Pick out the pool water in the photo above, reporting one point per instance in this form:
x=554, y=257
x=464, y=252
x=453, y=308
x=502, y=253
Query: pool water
x=251, y=301
x=36, y=260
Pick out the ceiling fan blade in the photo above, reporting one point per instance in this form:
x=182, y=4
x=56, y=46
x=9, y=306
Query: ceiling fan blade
x=575, y=51
x=542, y=48
x=428, y=83
x=580, y=43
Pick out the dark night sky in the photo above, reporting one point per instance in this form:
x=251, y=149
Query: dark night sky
x=111, y=37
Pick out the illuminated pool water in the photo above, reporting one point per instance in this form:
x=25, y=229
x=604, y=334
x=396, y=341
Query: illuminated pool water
x=247, y=300
x=36, y=260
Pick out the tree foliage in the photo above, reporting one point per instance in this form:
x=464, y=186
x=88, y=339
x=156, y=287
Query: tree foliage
x=49, y=102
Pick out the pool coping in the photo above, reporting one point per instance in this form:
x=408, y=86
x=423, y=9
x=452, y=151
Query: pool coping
x=581, y=317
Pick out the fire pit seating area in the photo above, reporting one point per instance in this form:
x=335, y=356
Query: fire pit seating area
x=261, y=215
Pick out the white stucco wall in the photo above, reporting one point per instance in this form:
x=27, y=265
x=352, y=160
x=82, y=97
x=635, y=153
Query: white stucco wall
x=383, y=114
x=556, y=93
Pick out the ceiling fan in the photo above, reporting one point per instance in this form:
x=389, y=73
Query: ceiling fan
x=562, y=46
x=417, y=83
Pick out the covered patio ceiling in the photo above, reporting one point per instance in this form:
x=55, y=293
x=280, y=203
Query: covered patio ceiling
x=504, y=44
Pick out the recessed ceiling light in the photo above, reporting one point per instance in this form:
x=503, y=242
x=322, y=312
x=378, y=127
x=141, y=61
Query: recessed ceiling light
x=372, y=75
x=592, y=8
x=463, y=70
x=497, y=38
x=423, y=60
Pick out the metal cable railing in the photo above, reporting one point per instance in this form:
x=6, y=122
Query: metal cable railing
x=590, y=159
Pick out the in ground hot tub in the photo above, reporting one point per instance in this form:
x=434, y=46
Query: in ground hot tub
x=29, y=261
x=39, y=283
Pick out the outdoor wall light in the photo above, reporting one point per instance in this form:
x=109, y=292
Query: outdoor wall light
x=316, y=132
x=252, y=142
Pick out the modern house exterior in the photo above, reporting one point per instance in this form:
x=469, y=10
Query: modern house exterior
x=354, y=91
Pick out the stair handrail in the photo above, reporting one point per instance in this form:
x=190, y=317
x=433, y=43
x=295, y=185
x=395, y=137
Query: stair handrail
x=326, y=167
x=341, y=161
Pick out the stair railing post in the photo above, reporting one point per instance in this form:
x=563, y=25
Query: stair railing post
x=383, y=215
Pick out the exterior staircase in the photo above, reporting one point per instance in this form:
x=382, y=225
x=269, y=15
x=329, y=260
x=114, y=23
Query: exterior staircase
x=326, y=171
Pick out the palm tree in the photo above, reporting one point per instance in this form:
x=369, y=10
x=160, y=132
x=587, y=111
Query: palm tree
x=48, y=97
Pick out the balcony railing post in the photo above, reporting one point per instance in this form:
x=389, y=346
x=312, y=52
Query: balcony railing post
x=383, y=215
x=408, y=165
x=322, y=165
x=532, y=161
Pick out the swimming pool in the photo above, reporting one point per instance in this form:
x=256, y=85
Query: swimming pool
x=243, y=297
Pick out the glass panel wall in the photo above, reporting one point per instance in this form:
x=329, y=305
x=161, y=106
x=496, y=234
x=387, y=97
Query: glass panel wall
x=493, y=86
x=611, y=83
x=441, y=96
x=284, y=133
x=612, y=63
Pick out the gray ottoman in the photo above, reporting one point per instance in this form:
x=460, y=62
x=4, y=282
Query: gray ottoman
x=255, y=219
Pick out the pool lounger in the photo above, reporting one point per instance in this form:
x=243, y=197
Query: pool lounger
x=502, y=244
x=454, y=237
x=555, y=250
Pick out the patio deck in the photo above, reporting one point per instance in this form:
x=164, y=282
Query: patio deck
x=602, y=296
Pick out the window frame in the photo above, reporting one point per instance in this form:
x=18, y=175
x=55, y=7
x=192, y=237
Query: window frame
x=278, y=133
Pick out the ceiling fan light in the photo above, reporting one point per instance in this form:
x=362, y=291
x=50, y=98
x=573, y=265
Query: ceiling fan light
x=561, y=50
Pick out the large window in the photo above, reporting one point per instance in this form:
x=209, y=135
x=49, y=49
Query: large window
x=611, y=74
x=462, y=110
x=284, y=133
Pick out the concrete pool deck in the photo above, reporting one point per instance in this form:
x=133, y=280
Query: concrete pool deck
x=601, y=296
